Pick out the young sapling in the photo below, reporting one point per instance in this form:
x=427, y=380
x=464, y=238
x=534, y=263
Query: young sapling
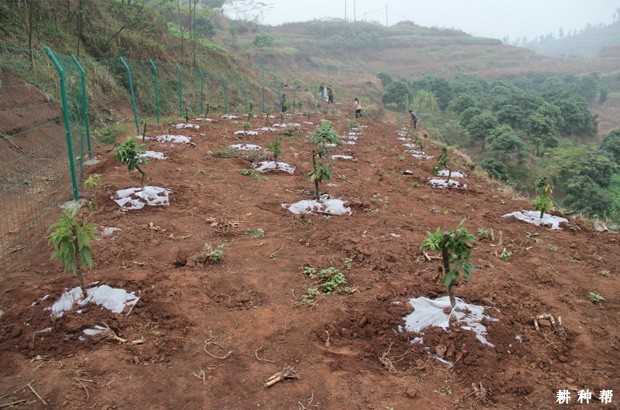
x=443, y=162
x=455, y=246
x=321, y=173
x=246, y=127
x=543, y=201
x=132, y=154
x=275, y=147
x=71, y=242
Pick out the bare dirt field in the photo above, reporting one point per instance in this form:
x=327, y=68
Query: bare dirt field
x=208, y=335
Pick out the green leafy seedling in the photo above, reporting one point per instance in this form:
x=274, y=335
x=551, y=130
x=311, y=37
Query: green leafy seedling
x=443, y=162
x=484, y=233
x=595, y=298
x=348, y=263
x=505, y=255
x=606, y=273
x=92, y=181
x=322, y=135
x=455, y=246
x=71, y=242
x=215, y=256
x=131, y=154
x=255, y=233
x=321, y=172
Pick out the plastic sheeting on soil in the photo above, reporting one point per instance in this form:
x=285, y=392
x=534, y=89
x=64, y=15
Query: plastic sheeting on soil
x=230, y=116
x=138, y=198
x=246, y=133
x=266, y=166
x=420, y=154
x=204, y=119
x=113, y=299
x=290, y=124
x=154, y=155
x=108, y=230
x=344, y=157
x=245, y=147
x=188, y=126
x=533, y=217
x=326, y=206
x=455, y=174
x=430, y=313
x=270, y=129
x=442, y=183
x=181, y=139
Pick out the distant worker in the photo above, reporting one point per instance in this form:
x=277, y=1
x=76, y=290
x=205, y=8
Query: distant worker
x=358, y=108
x=330, y=95
x=414, y=119
x=283, y=103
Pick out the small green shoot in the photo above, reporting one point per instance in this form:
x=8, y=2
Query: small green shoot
x=92, y=181
x=606, y=273
x=255, y=233
x=215, y=256
x=595, y=298
x=131, y=153
x=309, y=299
x=543, y=201
x=348, y=263
x=552, y=247
x=532, y=234
x=505, y=255
x=484, y=234
x=250, y=173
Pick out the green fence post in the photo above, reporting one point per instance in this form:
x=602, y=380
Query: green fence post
x=245, y=97
x=263, y=84
x=294, y=99
x=156, y=85
x=202, y=90
x=85, y=104
x=180, y=89
x=133, y=97
x=65, y=113
x=225, y=94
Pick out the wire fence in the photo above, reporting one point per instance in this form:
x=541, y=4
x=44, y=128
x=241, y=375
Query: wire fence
x=54, y=108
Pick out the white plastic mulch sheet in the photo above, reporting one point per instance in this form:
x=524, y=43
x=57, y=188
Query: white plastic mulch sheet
x=327, y=206
x=204, y=119
x=154, y=155
x=108, y=230
x=442, y=183
x=182, y=139
x=350, y=137
x=430, y=313
x=138, y=198
x=348, y=142
x=246, y=133
x=270, y=129
x=190, y=126
x=533, y=217
x=266, y=166
x=344, y=157
x=290, y=124
x=113, y=299
x=230, y=116
x=420, y=154
x=455, y=174
x=245, y=147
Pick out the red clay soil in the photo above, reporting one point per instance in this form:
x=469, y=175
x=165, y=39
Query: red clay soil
x=208, y=335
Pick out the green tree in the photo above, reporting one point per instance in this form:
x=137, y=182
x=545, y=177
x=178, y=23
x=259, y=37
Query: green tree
x=506, y=146
x=385, y=78
x=466, y=116
x=322, y=135
x=397, y=94
x=584, y=195
x=263, y=40
x=275, y=147
x=611, y=145
x=426, y=102
x=455, y=246
x=462, y=103
x=320, y=172
x=71, y=242
x=480, y=126
x=541, y=132
x=495, y=169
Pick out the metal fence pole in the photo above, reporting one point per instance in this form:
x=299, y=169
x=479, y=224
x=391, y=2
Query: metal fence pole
x=65, y=113
x=225, y=94
x=133, y=98
x=84, y=104
x=202, y=90
x=180, y=89
x=156, y=86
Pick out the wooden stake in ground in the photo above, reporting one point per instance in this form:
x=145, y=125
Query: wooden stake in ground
x=287, y=373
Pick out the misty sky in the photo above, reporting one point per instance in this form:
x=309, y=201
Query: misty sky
x=488, y=18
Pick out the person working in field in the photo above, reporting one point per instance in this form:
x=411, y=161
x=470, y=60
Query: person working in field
x=414, y=119
x=358, y=108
